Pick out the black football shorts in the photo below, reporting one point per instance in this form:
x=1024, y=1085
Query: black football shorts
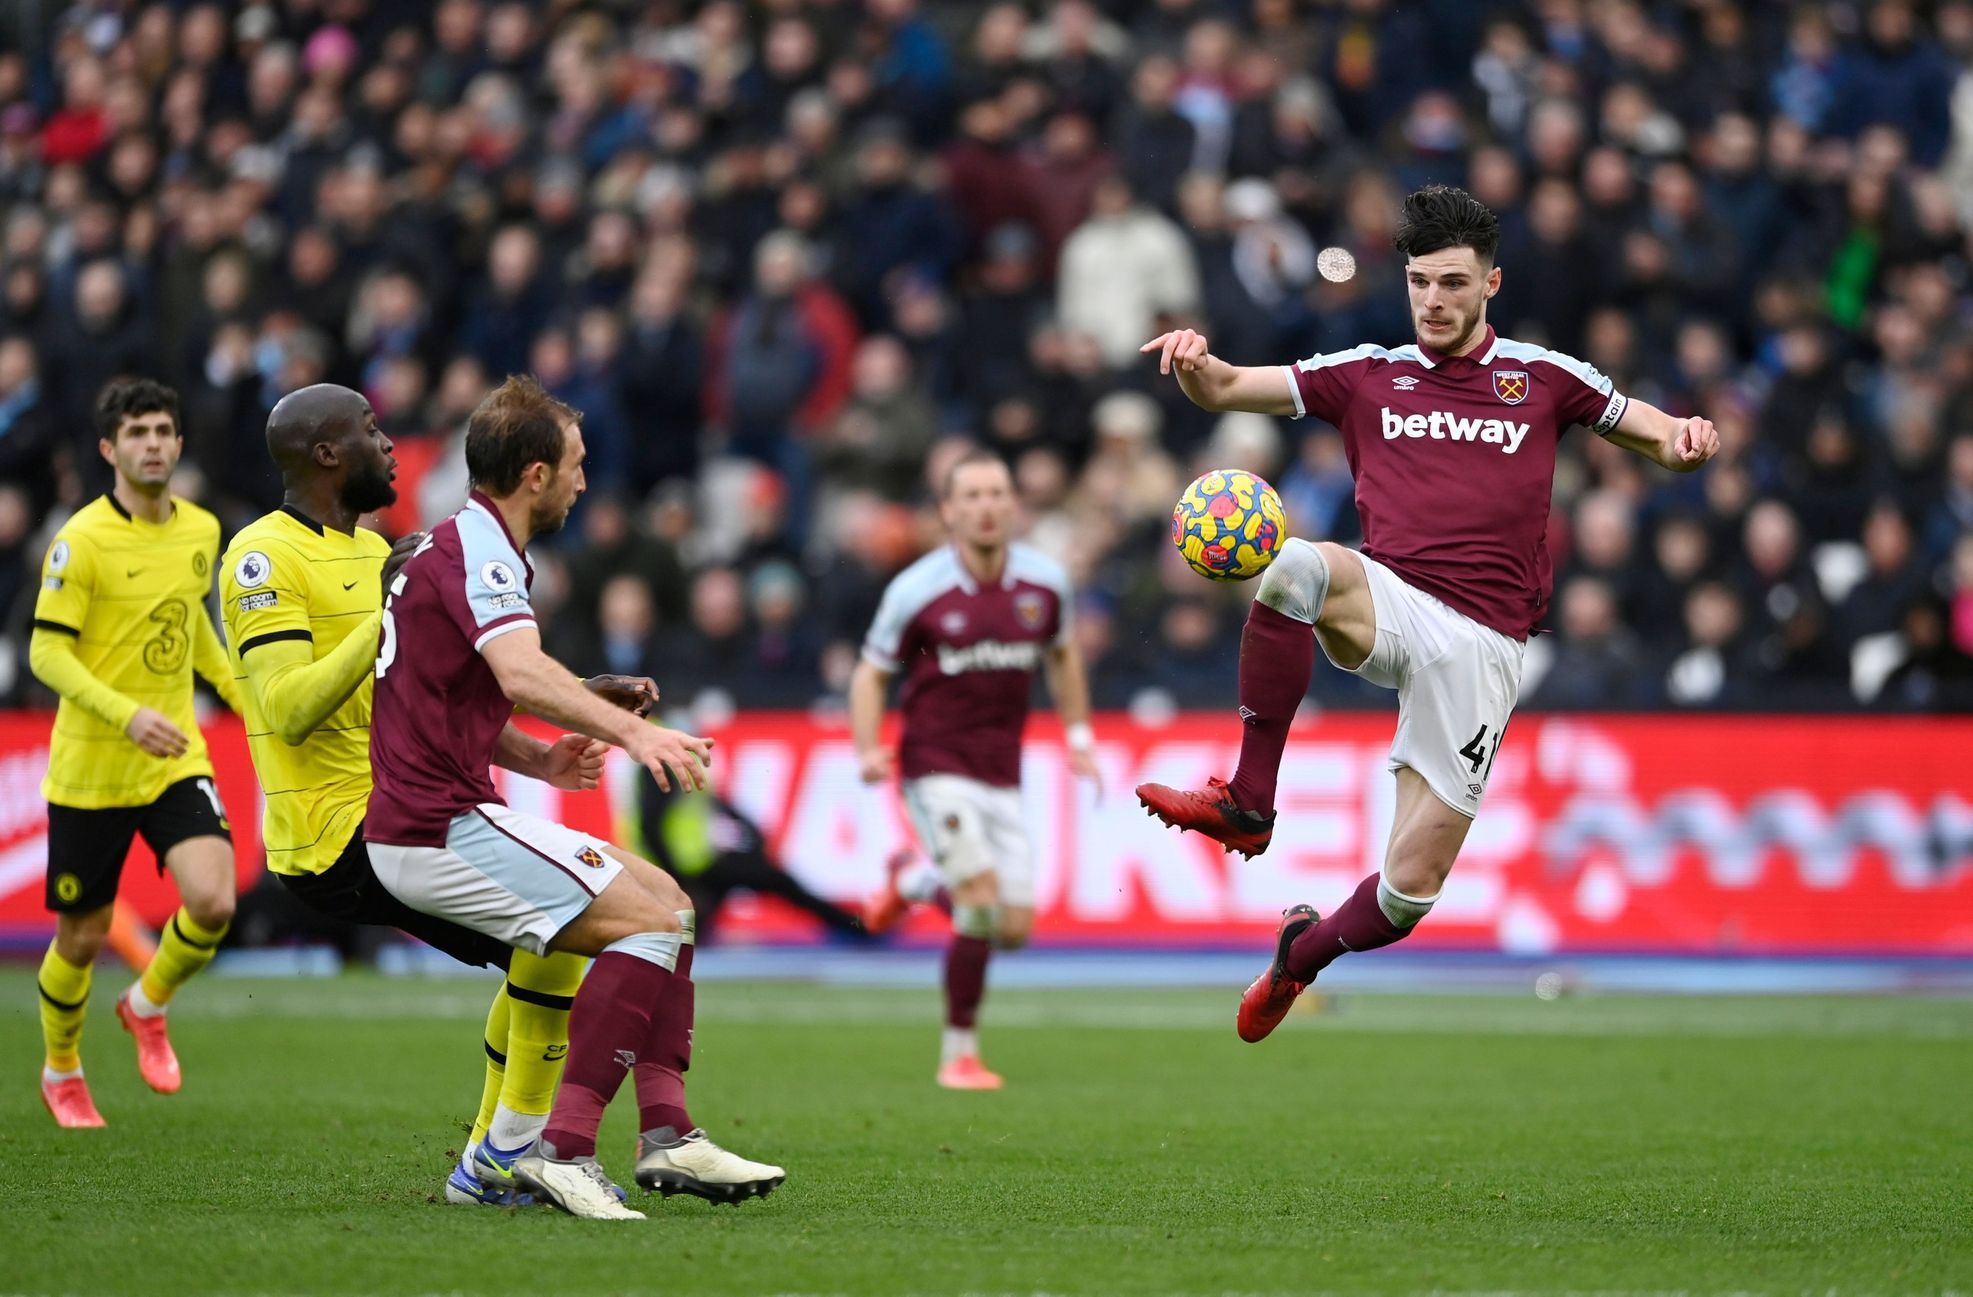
x=87, y=848
x=349, y=890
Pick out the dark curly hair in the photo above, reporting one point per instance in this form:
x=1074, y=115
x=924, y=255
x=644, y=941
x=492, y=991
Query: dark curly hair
x=1438, y=217
x=127, y=398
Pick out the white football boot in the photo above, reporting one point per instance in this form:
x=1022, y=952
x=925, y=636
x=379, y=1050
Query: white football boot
x=579, y=1186
x=669, y=1163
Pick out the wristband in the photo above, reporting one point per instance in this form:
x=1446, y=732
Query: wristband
x=1081, y=737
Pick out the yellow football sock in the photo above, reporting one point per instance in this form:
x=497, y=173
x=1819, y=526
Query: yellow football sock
x=496, y=1062
x=64, y=1001
x=542, y=989
x=183, y=949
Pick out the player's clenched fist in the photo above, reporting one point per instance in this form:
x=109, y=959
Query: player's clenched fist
x=635, y=694
x=1697, y=442
x=1184, y=347
x=153, y=732
x=400, y=554
x=874, y=765
x=575, y=762
x=666, y=753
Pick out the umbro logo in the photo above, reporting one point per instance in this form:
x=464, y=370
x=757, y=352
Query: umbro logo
x=1248, y=713
x=1404, y=383
x=628, y=1059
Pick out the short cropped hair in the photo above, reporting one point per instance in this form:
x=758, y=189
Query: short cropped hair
x=127, y=398
x=967, y=460
x=1438, y=217
x=516, y=425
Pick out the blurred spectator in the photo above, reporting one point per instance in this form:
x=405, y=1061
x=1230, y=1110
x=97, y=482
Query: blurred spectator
x=1124, y=271
x=662, y=375
x=879, y=439
x=1599, y=660
x=1714, y=668
x=29, y=440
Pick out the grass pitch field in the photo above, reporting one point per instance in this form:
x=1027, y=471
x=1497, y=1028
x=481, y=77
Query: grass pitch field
x=1391, y=1144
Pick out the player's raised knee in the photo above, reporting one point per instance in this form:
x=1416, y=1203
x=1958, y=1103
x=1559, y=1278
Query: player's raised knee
x=211, y=908
x=1297, y=582
x=1011, y=931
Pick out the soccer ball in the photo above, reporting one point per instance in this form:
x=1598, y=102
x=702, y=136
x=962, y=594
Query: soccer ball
x=1229, y=525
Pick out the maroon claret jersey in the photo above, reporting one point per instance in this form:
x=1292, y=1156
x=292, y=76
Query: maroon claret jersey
x=439, y=710
x=1454, y=458
x=968, y=653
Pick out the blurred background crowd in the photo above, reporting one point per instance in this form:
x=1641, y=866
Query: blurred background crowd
x=789, y=256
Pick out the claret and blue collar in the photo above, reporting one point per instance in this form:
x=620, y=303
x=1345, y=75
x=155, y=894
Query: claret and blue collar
x=1431, y=358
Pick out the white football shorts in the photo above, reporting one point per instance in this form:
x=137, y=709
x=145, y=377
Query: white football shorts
x=1457, y=684
x=515, y=877
x=968, y=828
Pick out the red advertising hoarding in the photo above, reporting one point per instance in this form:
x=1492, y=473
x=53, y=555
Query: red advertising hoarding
x=1698, y=835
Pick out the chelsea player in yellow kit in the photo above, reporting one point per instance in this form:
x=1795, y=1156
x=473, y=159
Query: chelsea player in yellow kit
x=120, y=626
x=302, y=597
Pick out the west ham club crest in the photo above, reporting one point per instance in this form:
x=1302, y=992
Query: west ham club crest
x=1030, y=606
x=1511, y=385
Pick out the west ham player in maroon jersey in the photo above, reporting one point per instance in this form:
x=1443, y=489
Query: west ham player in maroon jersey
x=460, y=650
x=1452, y=442
x=967, y=625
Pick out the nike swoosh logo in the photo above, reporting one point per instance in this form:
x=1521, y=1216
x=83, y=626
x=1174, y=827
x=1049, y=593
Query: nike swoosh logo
x=349, y=585
x=135, y=571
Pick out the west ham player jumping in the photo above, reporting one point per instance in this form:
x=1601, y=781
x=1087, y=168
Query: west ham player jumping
x=967, y=625
x=1452, y=442
x=460, y=650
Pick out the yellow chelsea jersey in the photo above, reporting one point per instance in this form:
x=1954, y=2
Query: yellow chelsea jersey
x=129, y=598
x=292, y=590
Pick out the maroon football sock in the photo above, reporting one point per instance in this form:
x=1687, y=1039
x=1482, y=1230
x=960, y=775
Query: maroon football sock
x=965, y=979
x=608, y=1028
x=1277, y=657
x=1358, y=924
x=660, y=1071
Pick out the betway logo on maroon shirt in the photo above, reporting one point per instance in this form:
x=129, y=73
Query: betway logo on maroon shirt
x=1442, y=426
x=1454, y=459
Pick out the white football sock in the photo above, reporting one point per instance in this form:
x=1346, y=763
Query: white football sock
x=52, y=1077
x=959, y=1042
x=140, y=1003
x=514, y=1130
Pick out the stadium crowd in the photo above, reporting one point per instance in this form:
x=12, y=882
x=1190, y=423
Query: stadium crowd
x=788, y=257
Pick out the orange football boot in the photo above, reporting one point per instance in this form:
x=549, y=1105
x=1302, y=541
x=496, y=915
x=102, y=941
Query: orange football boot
x=1210, y=811
x=155, y=1059
x=1268, y=998
x=70, y=1103
x=967, y=1072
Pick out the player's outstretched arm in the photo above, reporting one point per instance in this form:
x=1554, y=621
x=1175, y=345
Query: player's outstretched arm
x=1682, y=445
x=1212, y=384
x=867, y=686
x=539, y=684
x=296, y=690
